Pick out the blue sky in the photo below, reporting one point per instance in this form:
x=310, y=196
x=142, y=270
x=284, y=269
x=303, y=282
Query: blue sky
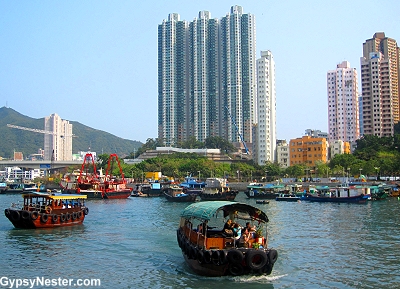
x=95, y=62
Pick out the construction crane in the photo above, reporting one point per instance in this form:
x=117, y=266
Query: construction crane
x=40, y=130
x=237, y=130
x=62, y=136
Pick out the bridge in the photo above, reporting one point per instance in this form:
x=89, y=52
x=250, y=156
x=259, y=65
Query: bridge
x=44, y=165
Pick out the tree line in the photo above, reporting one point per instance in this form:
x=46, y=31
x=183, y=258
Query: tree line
x=374, y=156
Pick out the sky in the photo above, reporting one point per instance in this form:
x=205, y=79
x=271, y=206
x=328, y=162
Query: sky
x=95, y=62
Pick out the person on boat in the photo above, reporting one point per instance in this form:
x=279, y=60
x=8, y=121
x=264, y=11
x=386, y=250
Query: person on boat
x=228, y=227
x=228, y=224
x=237, y=232
x=251, y=229
x=201, y=228
x=244, y=238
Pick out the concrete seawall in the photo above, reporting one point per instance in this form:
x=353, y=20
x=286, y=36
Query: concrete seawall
x=241, y=187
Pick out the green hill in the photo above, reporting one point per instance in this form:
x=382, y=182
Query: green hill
x=29, y=142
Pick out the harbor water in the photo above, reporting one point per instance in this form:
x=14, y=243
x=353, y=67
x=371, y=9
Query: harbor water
x=132, y=243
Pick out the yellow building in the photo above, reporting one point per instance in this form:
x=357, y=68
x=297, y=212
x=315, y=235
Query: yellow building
x=307, y=150
x=338, y=147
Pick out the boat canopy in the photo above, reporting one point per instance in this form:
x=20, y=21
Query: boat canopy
x=206, y=210
x=55, y=196
x=266, y=186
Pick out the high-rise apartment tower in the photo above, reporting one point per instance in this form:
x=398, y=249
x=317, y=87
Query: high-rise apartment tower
x=58, y=143
x=380, y=85
x=343, y=109
x=266, y=95
x=206, y=77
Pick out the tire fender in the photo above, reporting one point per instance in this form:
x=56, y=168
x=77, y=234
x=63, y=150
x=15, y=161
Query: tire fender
x=207, y=257
x=235, y=256
x=34, y=215
x=215, y=257
x=272, y=256
x=44, y=218
x=236, y=269
x=25, y=215
x=256, y=259
x=15, y=215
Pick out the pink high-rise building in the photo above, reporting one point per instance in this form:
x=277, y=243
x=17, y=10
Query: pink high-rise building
x=343, y=107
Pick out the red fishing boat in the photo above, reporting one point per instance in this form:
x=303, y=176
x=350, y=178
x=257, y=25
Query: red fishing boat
x=45, y=210
x=96, y=186
x=113, y=187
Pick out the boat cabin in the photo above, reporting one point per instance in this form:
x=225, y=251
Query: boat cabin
x=209, y=233
x=44, y=202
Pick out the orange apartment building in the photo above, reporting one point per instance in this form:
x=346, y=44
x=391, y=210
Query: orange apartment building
x=307, y=150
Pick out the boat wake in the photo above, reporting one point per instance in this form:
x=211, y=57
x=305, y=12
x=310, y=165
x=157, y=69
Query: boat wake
x=259, y=278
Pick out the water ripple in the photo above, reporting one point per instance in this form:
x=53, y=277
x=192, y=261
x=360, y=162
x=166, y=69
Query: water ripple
x=132, y=244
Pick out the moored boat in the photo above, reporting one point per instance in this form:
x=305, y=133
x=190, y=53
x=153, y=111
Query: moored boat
x=339, y=195
x=287, y=198
x=88, y=182
x=114, y=187
x=261, y=191
x=217, y=189
x=20, y=188
x=262, y=202
x=177, y=194
x=84, y=181
x=46, y=210
x=151, y=189
x=3, y=187
x=210, y=250
x=192, y=183
x=379, y=192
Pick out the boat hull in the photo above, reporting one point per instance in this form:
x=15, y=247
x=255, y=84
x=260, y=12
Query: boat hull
x=287, y=198
x=262, y=202
x=225, y=196
x=354, y=199
x=256, y=195
x=121, y=194
x=92, y=194
x=221, y=262
x=181, y=199
x=13, y=191
x=147, y=193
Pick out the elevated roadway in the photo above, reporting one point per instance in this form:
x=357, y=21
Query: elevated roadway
x=45, y=165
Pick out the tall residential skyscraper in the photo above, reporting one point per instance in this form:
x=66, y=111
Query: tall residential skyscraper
x=343, y=106
x=266, y=95
x=206, y=77
x=58, y=144
x=380, y=85
x=173, y=88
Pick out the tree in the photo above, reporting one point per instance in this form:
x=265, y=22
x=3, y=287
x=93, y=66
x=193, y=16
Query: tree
x=216, y=142
x=369, y=145
x=151, y=144
x=272, y=171
x=342, y=160
x=242, y=171
x=192, y=143
x=296, y=171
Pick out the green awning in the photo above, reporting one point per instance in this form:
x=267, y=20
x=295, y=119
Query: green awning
x=206, y=210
